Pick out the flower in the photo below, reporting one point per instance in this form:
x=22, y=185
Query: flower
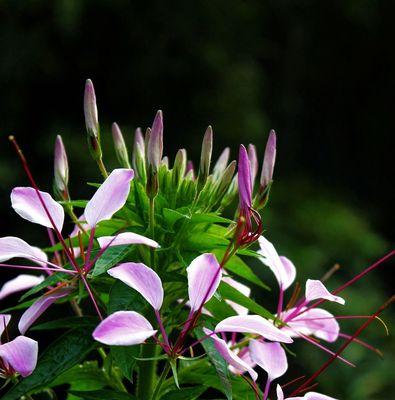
x=19, y=355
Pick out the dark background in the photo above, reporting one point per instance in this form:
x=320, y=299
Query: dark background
x=320, y=73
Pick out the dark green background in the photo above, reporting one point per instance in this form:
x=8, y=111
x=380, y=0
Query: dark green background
x=319, y=72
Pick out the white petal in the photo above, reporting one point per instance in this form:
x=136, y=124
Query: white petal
x=315, y=289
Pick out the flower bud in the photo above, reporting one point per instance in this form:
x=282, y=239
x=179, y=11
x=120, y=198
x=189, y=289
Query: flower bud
x=231, y=192
x=205, y=157
x=121, y=150
x=155, y=142
x=221, y=163
x=225, y=180
x=179, y=167
x=165, y=162
x=268, y=161
x=252, y=156
x=90, y=110
x=61, y=169
x=190, y=171
x=244, y=181
x=138, y=156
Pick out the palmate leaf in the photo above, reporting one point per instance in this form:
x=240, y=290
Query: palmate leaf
x=112, y=256
x=102, y=395
x=219, y=363
x=67, y=351
x=230, y=293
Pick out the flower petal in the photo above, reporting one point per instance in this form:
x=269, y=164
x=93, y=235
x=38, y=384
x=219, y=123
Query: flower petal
x=21, y=354
x=270, y=356
x=282, y=268
x=316, y=321
x=110, y=197
x=315, y=289
x=39, y=307
x=4, y=321
x=230, y=356
x=240, y=310
x=141, y=278
x=21, y=282
x=204, y=275
x=280, y=393
x=12, y=247
x=126, y=238
x=245, y=355
x=253, y=324
x=26, y=202
x=123, y=328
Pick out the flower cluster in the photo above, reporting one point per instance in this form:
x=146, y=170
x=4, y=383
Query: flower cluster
x=153, y=258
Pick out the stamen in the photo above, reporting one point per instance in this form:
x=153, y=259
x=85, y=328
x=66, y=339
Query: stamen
x=329, y=273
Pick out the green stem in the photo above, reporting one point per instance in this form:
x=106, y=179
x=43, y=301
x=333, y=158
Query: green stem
x=102, y=168
x=147, y=373
x=163, y=375
x=151, y=226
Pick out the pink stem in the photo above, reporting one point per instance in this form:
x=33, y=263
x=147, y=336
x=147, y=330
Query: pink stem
x=361, y=342
x=91, y=296
x=267, y=388
x=280, y=302
x=162, y=328
x=52, y=241
x=67, y=271
x=90, y=246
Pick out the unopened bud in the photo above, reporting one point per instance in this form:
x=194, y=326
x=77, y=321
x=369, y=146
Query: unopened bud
x=190, y=171
x=205, y=157
x=138, y=156
x=221, y=163
x=226, y=179
x=61, y=169
x=155, y=142
x=252, y=156
x=165, y=162
x=179, y=167
x=268, y=161
x=231, y=192
x=121, y=150
x=90, y=109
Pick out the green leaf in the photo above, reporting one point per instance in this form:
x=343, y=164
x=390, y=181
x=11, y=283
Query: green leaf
x=69, y=322
x=190, y=393
x=125, y=358
x=67, y=351
x=172, y=216
x=112, y=256
x=238, y=267
x=209, y=218
x=173, y=365
x=122, y=297
x=219, y=363
x=105, y=394
x=75, y=203
x=49, y=281
x=20, y=306
x=230, y=293
x=204, y=242
x=219, y=309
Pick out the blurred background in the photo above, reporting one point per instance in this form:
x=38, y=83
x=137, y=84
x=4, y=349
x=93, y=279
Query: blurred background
x=320, y=73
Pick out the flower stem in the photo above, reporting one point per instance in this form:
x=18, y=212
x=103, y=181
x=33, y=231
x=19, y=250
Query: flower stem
x=147, y=373
x=151, y=227
x=160, y=381
x=102, y=168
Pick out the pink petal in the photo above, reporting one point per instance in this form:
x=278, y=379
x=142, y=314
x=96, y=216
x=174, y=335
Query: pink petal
x=230, y=356
x=270, y=356
x=280, y=393
x=12, y=247
x=307, y=396
x=253, y=324
x=110, y=197
x=26, y=202
x=244, y=179
x=21, y=282
x=141, y=278
x=123, y=328
x=39, y=307
x=21, y=354
x=4, y=321
x=245, y=355
x=240, y=310
x=282, y=268
x=316, y=290
x=204, y=275
x=126, y=238
x=316, y=321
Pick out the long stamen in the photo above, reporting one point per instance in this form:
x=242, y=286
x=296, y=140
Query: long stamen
x=345, y=345
x=362, y=343
x=58, y=269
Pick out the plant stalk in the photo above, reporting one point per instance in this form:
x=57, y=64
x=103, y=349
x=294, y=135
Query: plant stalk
x=147, y=372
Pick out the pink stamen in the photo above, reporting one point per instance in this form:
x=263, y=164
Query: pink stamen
x=162, y=329
x=57, y=269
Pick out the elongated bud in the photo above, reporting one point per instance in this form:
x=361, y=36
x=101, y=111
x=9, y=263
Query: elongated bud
x=190, y=171
x=179, y=167
x=138, y=156
x=90, y=109
x=252, y=156
x=268, y=161
x=244, y=181
x=121, y=150
x=205, y=157
x=231, y=192
x=61, y=169
x=225, y=180
x=155, y=142
x=91, y=121
x=221, y=163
